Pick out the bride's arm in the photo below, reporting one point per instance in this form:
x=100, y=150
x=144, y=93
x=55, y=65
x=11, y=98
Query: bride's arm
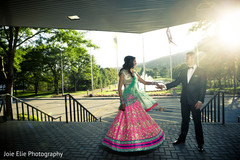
x=120, y=84
x=145, y=82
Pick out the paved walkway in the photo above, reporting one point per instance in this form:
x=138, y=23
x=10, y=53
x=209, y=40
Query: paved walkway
x=34, y=140
x=83, y=140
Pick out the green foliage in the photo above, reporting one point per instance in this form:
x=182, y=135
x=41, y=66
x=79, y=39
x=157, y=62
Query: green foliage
x=164, y=72
x=107, y=76
x=41, y=94
x=150, y=73
x=18, y=59
x=12, y=42
x=156, y=72
x=178, y=69
x=41, y=61
x=220, y=62
x=201, y=25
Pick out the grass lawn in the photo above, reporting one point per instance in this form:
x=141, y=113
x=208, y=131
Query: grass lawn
x=226, y=90
x=46, y=94
x=108, y=91
x=26, y=94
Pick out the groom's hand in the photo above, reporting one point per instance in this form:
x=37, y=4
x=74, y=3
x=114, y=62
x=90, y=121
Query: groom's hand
x=198, y=105
x=161, y=86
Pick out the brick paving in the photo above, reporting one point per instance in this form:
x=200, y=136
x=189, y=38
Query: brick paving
x=83, y=141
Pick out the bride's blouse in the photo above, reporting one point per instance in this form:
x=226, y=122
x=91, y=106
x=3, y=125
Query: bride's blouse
x=127, y=77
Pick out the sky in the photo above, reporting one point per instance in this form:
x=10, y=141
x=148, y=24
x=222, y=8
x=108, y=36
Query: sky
x=148, y=46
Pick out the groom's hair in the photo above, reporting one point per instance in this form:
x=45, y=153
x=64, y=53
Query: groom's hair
x=191, y=53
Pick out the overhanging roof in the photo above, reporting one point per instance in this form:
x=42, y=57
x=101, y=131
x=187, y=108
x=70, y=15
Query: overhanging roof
x=133, y=16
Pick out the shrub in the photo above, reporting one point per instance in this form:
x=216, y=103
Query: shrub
x=26, y=117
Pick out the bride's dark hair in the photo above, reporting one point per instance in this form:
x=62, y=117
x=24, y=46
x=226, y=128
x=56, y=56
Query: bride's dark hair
x=128, y=64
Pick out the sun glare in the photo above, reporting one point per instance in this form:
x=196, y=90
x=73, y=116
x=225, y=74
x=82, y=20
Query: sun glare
x=229, y=29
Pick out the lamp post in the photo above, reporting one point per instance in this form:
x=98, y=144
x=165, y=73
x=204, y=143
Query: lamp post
x=91, y=69
x=116, y=47
x=62, y=75
x=144, y=69
x=90, y=51
x=170, y=59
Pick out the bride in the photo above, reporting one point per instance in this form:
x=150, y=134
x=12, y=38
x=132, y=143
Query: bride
x=133, y=129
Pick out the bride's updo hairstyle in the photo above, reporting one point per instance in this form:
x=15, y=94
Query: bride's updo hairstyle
x=128, y=64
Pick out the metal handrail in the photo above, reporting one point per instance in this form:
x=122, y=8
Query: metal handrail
x=213, y=111
x=3, y=106
x=29, y=110
x=77, y=112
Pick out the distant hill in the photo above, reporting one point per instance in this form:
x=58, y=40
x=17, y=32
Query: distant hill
x=177, y=59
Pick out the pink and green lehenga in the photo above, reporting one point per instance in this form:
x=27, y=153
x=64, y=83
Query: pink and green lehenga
x=133, y=129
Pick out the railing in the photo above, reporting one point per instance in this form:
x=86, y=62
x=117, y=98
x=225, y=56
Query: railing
x=77, y=112
x=3, y=106
x=213, y=111
x=25, y=111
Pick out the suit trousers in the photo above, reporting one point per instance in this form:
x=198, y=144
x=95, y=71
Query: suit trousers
x=185, y=111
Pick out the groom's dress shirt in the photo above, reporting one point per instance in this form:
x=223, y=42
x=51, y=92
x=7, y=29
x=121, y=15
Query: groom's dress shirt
x=191, y=70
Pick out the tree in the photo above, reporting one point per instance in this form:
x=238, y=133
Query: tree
x=222, y=60
x=156, y=71
x=150, y=72
x=52, y=59
x=108, y=76
x=11, y=38
x=33, y=67
x=73, y=52
x=3, y=76
x=79, y=70
x=178, y=69
x=164, y=72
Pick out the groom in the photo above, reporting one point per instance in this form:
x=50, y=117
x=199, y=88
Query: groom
x=193, y=81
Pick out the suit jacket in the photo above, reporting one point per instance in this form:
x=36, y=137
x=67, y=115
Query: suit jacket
x=193, y=91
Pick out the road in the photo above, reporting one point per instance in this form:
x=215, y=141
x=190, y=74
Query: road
x=168, y=109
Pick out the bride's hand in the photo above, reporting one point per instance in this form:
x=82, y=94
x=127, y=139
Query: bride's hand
x=122, y=107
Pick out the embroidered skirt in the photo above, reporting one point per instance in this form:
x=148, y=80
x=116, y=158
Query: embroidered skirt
x=134, y=130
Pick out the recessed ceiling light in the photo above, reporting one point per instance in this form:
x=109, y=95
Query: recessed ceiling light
x=74, y=17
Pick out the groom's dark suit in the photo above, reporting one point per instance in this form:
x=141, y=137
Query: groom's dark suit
x=192, y=92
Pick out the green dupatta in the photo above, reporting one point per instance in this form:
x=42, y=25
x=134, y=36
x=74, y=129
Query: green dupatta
x=132, y=93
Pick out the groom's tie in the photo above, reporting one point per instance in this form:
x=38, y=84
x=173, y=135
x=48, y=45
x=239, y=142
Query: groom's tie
x=190, y=67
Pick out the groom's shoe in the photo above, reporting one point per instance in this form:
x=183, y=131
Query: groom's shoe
x=178, y=142
x=200, y=148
